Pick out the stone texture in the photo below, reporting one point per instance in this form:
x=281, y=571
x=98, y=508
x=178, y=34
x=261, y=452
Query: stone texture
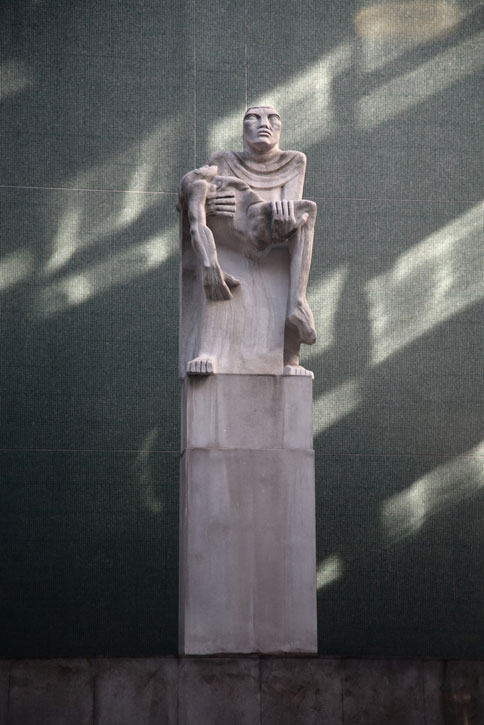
x=141, y=691
x=4, y=686
x=247, y=559
x=464, y=692
x=301, y=690
x=379, y=692
x=243, y=306
x=50, y=692
x=219, y=690
x=242, y=411
x=433, y=686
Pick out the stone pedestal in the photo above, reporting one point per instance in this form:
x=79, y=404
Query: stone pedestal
x=247, y=516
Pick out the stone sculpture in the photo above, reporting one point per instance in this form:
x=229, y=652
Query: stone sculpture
x=246, y=236
x=247, y=523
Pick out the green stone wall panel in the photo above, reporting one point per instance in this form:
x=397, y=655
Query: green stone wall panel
x=89, y=312
x=121, y=99
x=89, y=552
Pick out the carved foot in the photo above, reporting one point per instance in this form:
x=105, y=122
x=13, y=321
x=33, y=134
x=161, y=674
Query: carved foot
x=200, y=366
x=302, y=319
x=298, y=370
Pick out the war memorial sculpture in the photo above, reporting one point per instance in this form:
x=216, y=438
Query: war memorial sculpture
x=247, y=516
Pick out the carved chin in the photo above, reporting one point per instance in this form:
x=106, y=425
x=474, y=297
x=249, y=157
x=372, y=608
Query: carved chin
x=263, y=142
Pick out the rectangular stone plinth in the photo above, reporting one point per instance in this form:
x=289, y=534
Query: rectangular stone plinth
x=247, y=411
x=247, y=517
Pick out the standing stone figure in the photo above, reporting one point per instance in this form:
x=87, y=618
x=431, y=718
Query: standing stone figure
x=246, y=245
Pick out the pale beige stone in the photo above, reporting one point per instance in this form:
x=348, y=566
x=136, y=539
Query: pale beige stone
x=246, y=246
x=247, y=411
x=247, y=558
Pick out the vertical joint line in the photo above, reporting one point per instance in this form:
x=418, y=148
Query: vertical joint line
x=246, y=57
x=194, y=39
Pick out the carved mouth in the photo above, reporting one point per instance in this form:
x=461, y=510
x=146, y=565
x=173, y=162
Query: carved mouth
x=264, y=133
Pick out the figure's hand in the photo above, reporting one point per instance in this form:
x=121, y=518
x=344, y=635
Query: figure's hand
x=284, y=221
x=216, y=283
x=220, y=203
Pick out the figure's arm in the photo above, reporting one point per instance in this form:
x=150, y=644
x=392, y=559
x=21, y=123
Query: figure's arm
x=284, y=221
x=220, y=203
x=216, y=283
x=293, y=189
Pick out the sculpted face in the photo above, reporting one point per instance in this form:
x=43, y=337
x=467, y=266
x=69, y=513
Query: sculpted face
x=262, y=129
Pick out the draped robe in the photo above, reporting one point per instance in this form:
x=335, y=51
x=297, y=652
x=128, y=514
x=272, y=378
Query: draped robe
x=246, y=334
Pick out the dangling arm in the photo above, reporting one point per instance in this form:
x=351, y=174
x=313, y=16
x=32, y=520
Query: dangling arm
x=216, y=283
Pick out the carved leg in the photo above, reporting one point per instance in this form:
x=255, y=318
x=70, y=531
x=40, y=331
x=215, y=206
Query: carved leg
x=291, y=352
x=300, y=247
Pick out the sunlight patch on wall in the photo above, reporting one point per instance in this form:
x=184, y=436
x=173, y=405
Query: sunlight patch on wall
x=15, y=267
x=398, y=95
x=387, y=30
x=15, y=76
x=332, y=406
x=81, y=286
x=324, y=298
x=304, y=102
x=404, y=514
x=148, y=497
x=329, y=571
x=428, y=284
x=138, y=169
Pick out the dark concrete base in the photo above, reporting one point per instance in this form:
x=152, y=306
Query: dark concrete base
x=239, y=690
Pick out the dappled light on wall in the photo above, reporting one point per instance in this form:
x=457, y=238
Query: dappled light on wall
x=15, y=267
x=388, y=29
x=144, y=474
x=78, y=287
x=15, y=76
x=305, y=100
x=332, y=406
x=427, y=284
x=405, y=513
x=325, y=295
x=329, y=570
x=139, y=170
x=398, y=95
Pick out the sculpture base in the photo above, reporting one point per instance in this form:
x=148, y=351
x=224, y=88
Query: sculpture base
x=247, y=516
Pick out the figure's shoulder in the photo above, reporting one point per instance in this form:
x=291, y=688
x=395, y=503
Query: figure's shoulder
x=294, y=157
x=218, y=157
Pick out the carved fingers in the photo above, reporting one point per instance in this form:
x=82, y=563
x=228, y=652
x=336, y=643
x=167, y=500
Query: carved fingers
x=283, y=219
x=231, y=281
x=220, y=203
x=214, y=283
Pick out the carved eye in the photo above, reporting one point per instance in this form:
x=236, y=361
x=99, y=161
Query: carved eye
x=251, y=117
x=274, y=118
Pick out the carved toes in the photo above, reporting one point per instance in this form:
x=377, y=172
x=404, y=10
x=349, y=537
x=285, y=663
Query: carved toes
x=298, y=370
x=200, y=366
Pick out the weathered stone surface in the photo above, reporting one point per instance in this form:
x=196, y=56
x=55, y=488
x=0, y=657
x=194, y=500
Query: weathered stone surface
x=50, y=692
x=247, y=559
x=141, y=691
x=433, y=686
x=301, y=690
x=219, y=690
x=247, y=411
x=380, y=692
x=464, y=692
x=4, y=678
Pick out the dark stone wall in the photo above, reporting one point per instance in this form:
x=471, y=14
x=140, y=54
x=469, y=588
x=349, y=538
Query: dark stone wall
x=104, y=107
x=242, y=690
